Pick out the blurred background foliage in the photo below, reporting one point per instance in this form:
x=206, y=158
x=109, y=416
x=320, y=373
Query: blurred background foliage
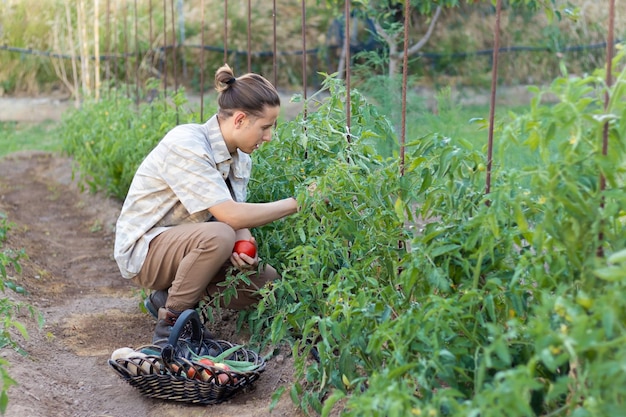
x=52, y=44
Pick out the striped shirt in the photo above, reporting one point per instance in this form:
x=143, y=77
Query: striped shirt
x=179, y=180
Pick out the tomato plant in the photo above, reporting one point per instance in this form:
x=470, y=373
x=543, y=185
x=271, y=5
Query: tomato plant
x=423, y=284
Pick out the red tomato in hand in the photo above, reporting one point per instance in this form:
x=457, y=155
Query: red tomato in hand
x=245, y=246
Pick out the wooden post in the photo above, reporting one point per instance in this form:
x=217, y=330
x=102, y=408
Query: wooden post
x=70, y=35
x=96, y=47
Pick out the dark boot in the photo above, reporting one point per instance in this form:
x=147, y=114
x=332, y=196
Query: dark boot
x=154, y=301
x=157, y=299
x=166, y=319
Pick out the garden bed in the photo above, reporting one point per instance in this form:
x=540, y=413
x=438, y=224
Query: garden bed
x=89, y=310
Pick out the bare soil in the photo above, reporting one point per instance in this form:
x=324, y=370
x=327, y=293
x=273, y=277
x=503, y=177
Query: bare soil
x=71, y=278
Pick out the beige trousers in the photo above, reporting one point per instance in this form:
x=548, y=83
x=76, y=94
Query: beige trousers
x=190, y=260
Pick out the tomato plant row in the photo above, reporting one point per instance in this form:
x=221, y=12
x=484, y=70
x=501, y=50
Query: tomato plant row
x=418, y=294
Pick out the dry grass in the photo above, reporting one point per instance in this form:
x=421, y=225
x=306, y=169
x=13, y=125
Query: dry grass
x=471, y=29
x=43, y=25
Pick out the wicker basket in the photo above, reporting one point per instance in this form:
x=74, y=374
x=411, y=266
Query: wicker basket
x=172, y=373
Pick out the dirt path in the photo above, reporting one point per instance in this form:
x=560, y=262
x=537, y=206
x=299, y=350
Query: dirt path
x=89, y=310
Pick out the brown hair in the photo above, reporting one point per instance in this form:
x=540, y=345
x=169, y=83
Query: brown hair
x=249, y=93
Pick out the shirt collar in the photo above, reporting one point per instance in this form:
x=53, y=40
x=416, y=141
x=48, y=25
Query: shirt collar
x=216, y=141
x=239, y=162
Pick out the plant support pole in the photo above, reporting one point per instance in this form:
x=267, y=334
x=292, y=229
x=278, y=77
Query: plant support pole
x=174, y=50
x=181, y=29
x=174, y=47
x=225, y=31
x=249, y=36
x=348, y=58
x=70, y=37
x=607, y=98
x=304, y=84
x=107, y=73
x=96, y=46
x=405, y=72
x=117, y=47
x=274, y=47
x=492, y=106
x=126, y=54
x=202, y=63
x=137, y=55
x=165, y=53
x=304, y=64
x=609, y=82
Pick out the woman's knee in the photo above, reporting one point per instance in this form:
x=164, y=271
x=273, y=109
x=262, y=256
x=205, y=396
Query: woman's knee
x=218, y=234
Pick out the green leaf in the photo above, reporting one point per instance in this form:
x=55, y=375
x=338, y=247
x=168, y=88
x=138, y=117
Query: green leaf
x=22, y=329
x=399, y=208
x=276, y=397
x=502, y=351
x=294, y=393
x=302, y=235
x=490, y=306
x=330, y=402
x=608, y=322
x=617, y=257
x=4, y=401
x=611, y=273
x=400, y=370
x=443, y=249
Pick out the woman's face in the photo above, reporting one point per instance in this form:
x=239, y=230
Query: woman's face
x=251, y=131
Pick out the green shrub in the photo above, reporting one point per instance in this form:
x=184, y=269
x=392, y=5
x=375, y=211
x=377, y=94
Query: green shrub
x=9, y=260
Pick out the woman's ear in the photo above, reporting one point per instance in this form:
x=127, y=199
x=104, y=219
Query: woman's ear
x=238, y=118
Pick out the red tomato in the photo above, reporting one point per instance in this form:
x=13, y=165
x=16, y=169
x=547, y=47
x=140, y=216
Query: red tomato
x=245, y=246
x=206, y=361
x=223, y=378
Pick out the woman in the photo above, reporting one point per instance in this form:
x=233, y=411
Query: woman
x=186, y=208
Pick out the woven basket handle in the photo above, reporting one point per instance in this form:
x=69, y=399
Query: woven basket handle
x=187, y=316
